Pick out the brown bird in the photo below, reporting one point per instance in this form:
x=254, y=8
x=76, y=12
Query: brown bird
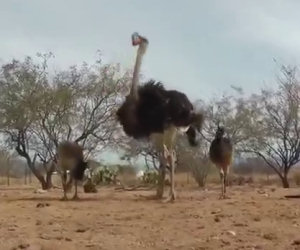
x=70, y=157
x=220, y=153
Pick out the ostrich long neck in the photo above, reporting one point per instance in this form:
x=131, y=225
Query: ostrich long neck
x=136, y=72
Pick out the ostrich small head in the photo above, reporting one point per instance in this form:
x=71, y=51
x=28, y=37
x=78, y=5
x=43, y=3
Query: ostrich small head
x=220, y=132
x=139, y=40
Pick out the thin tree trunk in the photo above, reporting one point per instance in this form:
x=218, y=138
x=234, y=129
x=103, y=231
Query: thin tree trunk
x=8, y=176
x=41, y=178
x=37, y=174
x=30, y=164
x=49, y=175
x=285, y=181
x=25, y=176
x=30, y=180
x=49, y=180
x=161, y=181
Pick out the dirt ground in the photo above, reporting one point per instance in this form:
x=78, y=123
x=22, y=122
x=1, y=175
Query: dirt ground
x=252, y=219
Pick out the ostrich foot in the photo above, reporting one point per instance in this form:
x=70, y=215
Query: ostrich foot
x=64, y=198
x=171, y=198
x=75, y=198
x=223, y=197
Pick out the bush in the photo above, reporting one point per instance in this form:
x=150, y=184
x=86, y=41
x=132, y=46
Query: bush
x=104, y=175
x=200, y=172
x=89, y=187
x=150, y=177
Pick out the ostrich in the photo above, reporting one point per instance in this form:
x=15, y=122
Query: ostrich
x=150, y=111
x=220, y=154
x=70, y=157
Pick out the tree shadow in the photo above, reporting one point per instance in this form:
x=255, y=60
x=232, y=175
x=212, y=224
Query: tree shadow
x=15, y=188
x=292, y=196
x=44, y=199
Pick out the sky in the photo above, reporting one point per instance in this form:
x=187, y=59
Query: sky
x=196, y=46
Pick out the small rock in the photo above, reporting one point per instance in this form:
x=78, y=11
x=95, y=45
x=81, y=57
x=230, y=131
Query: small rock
x=256, y=218
x=296, y=242
x=216, y=211
x=217, y=219
x=40, y=191
x=42, y=205
x=68, y=239
x=269, y=236
x=38, y=223
x=225, y=242
x=23, y=246
x=90, y=245
x=231, y=233
x=44, y=237
x=81, y=230
x=261, y=191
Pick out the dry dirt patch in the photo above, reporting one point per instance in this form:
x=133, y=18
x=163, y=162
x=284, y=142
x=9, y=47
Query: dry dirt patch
x=251, y=219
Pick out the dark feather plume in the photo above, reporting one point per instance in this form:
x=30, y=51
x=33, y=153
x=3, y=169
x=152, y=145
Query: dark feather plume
x=157, y=109
x=78, y=172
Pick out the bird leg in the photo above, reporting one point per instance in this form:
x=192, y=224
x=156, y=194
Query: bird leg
x=69, y=184
x=222, y=183
x=172, y=165
x=171, y=161
x=75, y=197
x=223, y=176
x=225, y=183
x=64, y=180
x=161, y=179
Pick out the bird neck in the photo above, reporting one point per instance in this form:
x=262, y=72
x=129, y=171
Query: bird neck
x=219, y=137
x=137, y=67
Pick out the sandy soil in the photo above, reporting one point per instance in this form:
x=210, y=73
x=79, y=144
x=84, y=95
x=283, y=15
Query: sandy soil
x=252, y=219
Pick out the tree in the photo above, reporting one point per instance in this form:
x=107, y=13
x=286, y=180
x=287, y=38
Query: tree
x=277, y=139
x=5, y=164
x=133, y=149
x=235, y=112
x=39, y=110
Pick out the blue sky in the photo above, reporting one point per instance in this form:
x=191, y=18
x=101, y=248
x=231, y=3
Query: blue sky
x=196, y=46
x=199, y=47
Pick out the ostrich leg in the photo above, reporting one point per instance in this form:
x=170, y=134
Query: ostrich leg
x=223, y=183
x=75, y=197
x=64, y=184
x=170, y=156
x=161, y=179
x=169, y=153
x=172, y=176
x=226, y=182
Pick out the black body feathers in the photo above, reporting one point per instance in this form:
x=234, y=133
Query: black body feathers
x=78, y=171
x=156, y=110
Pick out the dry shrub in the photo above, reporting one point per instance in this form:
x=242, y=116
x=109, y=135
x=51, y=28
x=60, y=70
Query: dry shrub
x=200, y=172
x=89, y=187
x=239, y=180
x=150, y=177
